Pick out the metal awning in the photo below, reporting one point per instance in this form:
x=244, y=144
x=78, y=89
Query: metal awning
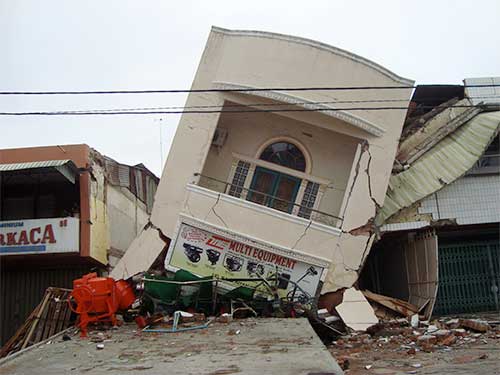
x=448, y=160
x=66, y=167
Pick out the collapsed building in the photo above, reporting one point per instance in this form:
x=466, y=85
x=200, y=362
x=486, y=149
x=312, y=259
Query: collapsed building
x=275, y=179
x=64, y=210
x=440, y=247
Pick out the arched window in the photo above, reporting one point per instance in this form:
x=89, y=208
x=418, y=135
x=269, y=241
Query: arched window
x=285, y=154
x=274, y=188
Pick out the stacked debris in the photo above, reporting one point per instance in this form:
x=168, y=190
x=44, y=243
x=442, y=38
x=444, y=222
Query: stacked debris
x=398, y=337
x=372, y=326
x=51, y=316
x=164, y=295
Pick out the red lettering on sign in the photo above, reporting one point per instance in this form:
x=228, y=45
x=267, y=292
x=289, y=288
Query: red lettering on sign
x=34, y=240
x=23, y=238
x=2, y=242
x=48, y=234
x=11, y=239
x=217, y=242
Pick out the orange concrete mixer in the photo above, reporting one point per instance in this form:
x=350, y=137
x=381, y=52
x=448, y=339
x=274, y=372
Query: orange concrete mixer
x=97, y=299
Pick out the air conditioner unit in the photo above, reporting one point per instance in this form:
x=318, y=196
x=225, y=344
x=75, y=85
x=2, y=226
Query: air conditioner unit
x=219, y=138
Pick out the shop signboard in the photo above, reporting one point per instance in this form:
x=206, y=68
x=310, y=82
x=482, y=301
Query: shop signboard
x=205, y=253
x=39, y=236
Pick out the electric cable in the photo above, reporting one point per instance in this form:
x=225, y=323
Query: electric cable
x=162, y=112
x=182, y=91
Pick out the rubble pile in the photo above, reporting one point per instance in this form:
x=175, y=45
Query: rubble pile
x=396, y=337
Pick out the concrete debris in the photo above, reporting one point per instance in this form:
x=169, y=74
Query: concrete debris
x=426, y=340
x=394, y=346
x=225, y=318
x=474, y=325
x=414, y=321
x=355, y=311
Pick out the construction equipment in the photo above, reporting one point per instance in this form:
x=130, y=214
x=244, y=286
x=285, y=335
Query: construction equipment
x=97, y=299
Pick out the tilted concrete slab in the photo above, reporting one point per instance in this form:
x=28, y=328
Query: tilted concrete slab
x=262, y=346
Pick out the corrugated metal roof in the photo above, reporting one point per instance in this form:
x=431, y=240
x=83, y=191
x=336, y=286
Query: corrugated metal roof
x=66, y=167
x=441, y=165
x=33, y=165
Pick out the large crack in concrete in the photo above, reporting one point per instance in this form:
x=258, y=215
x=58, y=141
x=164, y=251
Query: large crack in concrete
x=368, y=229
x=378, y=206
x=163, y=237
x=364, y=147
x=302, y=235
x=343, y=263
x=215, y=212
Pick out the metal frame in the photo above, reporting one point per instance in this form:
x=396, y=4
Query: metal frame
x=316, y=215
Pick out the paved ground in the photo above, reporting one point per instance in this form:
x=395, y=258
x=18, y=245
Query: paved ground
x=262, y=346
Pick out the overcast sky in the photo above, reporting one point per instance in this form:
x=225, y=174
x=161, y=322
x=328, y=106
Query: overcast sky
x=113, y=45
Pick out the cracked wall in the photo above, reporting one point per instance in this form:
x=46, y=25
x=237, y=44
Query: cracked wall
x=358, y=229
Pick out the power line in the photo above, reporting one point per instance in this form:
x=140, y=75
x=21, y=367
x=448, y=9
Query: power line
x=98, y=112
x=269, y=104
x=175, y=91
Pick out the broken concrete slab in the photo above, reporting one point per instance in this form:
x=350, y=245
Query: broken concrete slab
x=141, y=254
x=356, y=311
x=263, y=346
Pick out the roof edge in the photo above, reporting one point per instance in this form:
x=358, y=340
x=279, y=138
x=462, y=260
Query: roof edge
x=319, y=45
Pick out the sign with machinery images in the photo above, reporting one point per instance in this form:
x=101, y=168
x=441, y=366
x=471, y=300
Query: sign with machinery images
x=206, y=253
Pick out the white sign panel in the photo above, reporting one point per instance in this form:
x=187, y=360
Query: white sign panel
x=204, y=253
x=39, y=236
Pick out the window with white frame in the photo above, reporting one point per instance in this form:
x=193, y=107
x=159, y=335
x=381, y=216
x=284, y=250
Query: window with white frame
x=273, y=188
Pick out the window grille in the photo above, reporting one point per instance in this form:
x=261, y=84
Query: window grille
x=240, y=175
x=308, y=200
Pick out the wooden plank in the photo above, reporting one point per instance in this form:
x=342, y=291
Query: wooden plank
x=42, y=314
x=19, y=335
x=47, y=318
x=56, y=316
x=45, y=321
x=36, y=319
x=394, y=304
x=63, y=307
x=51, y=321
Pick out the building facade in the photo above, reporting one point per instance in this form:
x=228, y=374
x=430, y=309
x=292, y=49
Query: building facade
x=63, y=211
x=288, y=179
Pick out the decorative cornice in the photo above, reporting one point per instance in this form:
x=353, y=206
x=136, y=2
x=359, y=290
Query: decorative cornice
x=327, y=110
x=319, y=45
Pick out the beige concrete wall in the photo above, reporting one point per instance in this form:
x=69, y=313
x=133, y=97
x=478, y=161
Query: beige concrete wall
x=127, y=216
x=265, y=224
x=99, y=228
x=257, y=59
x=331, y=153
x=117, y=217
